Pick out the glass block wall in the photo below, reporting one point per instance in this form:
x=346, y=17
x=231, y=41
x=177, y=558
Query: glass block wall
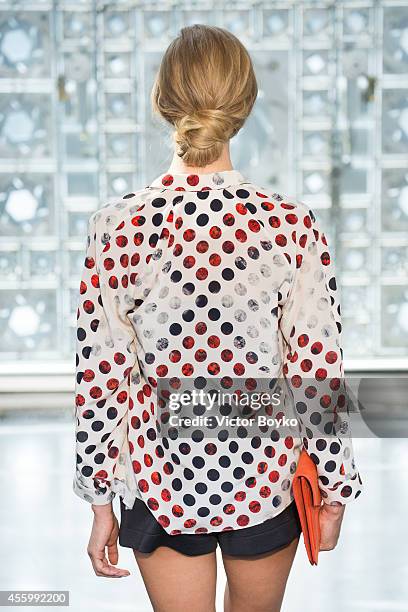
x=330, y=127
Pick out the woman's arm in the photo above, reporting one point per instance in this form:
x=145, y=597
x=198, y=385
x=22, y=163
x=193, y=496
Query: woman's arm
x=104, y=358
x=310, y=322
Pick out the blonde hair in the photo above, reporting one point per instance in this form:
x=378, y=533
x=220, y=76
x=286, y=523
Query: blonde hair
x=205, y=88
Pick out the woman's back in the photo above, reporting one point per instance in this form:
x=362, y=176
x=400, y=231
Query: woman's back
x=201, y=282
x=210, y=288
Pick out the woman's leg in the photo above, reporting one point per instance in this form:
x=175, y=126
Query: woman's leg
x=257, y=583
x=177, y=582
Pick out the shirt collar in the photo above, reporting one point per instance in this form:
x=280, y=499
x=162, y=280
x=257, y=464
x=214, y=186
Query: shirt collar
x=201, y=181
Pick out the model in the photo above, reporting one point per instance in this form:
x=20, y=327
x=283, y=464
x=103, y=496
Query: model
x=198, y=285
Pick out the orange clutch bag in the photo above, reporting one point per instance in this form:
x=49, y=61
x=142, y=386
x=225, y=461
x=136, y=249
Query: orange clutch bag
x=308, y=500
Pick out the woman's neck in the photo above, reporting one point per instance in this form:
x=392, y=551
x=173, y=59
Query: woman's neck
x=222, y=163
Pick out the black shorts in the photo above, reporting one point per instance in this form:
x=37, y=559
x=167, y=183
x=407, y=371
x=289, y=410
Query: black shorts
x=140, y=530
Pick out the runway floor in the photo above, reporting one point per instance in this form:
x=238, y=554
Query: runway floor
x=45, y=529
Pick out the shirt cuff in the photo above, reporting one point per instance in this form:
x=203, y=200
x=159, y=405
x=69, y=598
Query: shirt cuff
x=346, y=491
x=92, y=495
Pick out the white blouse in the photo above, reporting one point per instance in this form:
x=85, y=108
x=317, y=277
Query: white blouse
x=200, y=282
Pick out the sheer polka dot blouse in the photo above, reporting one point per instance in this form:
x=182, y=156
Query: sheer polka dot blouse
x=198, y=277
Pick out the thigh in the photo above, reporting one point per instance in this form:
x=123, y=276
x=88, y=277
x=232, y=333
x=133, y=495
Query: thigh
x=175, y=581
x=258, y=583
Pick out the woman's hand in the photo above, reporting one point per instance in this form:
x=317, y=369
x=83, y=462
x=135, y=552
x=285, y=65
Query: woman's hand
x=105, y=532
x=330, y=518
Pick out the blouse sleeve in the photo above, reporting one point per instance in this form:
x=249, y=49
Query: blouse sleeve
x=104, y=360
x=310, y=323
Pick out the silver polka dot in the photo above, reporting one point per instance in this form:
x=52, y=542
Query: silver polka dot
x=217, y=179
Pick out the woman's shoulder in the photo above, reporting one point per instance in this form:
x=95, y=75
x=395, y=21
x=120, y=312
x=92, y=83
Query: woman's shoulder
x=116, y=209
x=282, y=210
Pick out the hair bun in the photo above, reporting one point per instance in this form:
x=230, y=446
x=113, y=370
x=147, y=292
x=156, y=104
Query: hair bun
x=202, y=130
